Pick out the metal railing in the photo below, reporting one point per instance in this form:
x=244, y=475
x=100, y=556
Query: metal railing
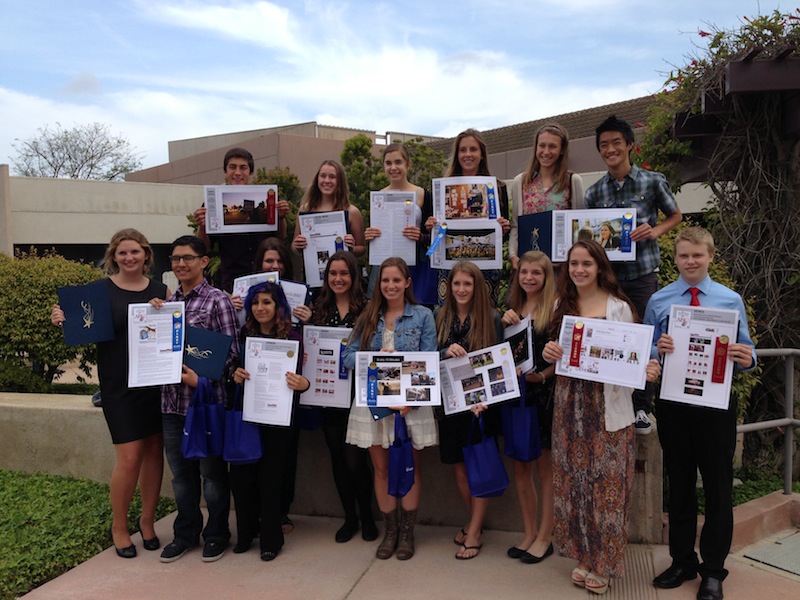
x=788, y=422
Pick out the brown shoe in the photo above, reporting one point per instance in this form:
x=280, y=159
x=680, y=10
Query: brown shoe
x=389, y=543
x=405, y=543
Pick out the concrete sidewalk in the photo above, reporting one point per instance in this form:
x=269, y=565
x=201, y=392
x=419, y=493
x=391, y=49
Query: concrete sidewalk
x=312, y=565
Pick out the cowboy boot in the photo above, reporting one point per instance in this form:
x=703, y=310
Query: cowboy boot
x=389, y=543
x=405, y=543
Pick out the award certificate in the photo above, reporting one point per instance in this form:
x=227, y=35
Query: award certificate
x=331, y=381
x=480, y=241
x=482, y=377
x=155, y=343
x=324, y=232
x=605, y=351
x=698, y=371
x=391, y=212
x=465, y=198
x=241, y=208
x=267, y=399
x=397, y=379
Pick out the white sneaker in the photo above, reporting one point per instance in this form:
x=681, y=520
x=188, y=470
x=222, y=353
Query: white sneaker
x=642, y=424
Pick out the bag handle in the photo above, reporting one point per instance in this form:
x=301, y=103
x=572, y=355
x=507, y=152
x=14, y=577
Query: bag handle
x=400, y=428
x=479, y=420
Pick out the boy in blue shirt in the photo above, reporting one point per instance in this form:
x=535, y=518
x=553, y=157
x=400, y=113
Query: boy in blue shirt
x=695, y=437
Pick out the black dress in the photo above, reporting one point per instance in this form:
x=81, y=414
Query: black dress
x=131, y=413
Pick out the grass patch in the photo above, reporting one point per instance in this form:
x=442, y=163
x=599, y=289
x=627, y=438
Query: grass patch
x=51, y=523
x=79, y=389
x=755, y=484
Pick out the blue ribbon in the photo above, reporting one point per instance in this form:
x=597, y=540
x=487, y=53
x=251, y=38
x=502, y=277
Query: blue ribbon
x=625, y=235
x=491, y=200
x=342, y=369
x=339, y=244
x=437, y=239
x=372, y=385
x=177, y=331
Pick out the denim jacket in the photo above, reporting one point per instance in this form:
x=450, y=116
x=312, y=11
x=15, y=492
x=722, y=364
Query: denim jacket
x=414, y=331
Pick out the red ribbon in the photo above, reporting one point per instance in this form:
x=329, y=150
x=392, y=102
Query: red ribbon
x=575, y=350
x=720, y=359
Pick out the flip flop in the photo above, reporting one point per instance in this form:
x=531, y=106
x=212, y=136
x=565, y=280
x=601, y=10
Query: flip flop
x=464, y=548
x=460, y=537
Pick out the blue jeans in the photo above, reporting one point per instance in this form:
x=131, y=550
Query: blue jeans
x=186, y=474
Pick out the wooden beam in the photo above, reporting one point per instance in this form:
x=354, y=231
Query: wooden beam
x=763, y=76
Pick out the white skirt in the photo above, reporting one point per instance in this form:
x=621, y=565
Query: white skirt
x=364, y=431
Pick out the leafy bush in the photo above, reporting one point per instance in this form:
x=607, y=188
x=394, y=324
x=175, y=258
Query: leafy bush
x=50, y=524
x=28, y=284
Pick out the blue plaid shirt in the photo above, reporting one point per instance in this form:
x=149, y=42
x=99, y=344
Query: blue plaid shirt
x=647, y=192
x=206, y=308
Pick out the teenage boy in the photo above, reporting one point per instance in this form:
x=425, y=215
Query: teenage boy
x=627, y=186
x=237, y=250
x=206, y=308
x=695, y=437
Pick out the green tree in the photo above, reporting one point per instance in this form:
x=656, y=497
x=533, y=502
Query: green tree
x=364, y=172
x=28, y=341
x=88, y=151
x=289, y=188
x=426, y=163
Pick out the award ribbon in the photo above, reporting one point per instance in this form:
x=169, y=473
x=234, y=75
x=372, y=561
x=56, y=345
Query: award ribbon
x=271, y=207
x=491, y=200
x=575, y=350
x=342, y=368
x=437, y=240
x=177, y=331
x=625, y=234
x=720, y=359
x=372, y=384
x=339, y=243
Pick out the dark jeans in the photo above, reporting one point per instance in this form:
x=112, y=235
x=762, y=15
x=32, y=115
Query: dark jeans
x=186, y=475
x=639, y=291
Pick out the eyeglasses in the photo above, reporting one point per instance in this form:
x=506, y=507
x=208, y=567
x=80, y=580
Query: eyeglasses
x=188, y=260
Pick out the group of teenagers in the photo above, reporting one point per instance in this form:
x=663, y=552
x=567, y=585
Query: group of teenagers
x=585, y=467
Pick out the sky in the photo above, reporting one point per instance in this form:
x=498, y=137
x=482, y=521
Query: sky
x=177, y=69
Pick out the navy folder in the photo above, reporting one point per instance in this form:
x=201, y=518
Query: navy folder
x=87, y=313
x=206, y=351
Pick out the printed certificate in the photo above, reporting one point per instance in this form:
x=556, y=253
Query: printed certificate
x=296, y=295
x=391, y=212
x=241, y=208
x=481, y=377
x=155, y=343
x=331, y=381
x=397, y=379
x=267, y=399
x=698, y=371
x=520, y=339
x=465, y=198
x=325, y=233
x=605, y=351
x=610, y=227
x=480, y=241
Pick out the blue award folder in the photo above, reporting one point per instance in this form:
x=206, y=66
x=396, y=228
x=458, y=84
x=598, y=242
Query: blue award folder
x=87, y=313
x=206, y=351
x=535, y=233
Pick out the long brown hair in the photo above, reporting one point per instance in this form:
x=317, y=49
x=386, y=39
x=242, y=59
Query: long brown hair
x=313, y=196
x=110, y=266
x=367, y=323
x=562, y=175
x=273, y=243
x=481, y=313
x=325, y=304
x=455, y=167
x=568, y=293
x=517, y=296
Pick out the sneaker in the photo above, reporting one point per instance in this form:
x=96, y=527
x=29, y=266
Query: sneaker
x=642, y=424
x=213, y=551
x=173, y=551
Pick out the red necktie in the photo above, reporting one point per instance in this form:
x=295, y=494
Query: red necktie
x=695, y=299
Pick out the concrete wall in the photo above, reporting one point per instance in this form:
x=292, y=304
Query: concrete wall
x=66, y=435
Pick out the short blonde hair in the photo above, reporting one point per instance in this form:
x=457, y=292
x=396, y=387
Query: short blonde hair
x=110, y=266
x=696, y=235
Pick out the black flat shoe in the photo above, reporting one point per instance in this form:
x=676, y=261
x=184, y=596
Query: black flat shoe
x=129, y=552
x=346, y=532
x=515, y=552
x=151, y=544
x=532, y=559
x=242, y=546
x=369, y=531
